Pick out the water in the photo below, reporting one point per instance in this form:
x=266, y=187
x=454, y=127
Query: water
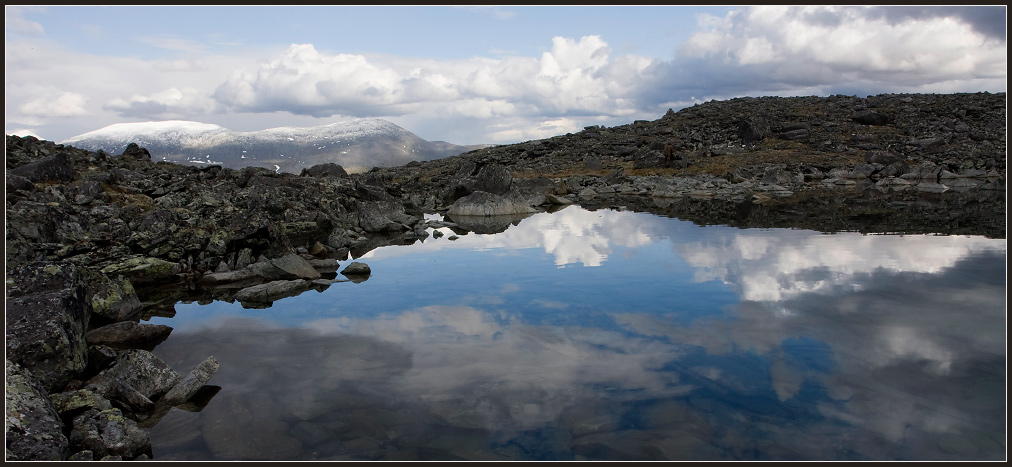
x=612, y=335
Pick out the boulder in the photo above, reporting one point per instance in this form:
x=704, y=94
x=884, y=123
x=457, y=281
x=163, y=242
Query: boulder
x=381, y=216
x=192, y=382
x=271, y=291
x=138, y=369
x=482, y=203
x=493, y=178
x=108, y=433
x=133, y=151
x=129, y=333
x=290, y=266
x=753, y=129
x=868, y=117
x=328, y=169
x=144, y=269
x=33, y=430
x=53, y=168
x=357, y=269
x=47, y=313
x=113, y=300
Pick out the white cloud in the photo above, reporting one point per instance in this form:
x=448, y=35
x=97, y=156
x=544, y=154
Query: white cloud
x=169, y=103
x=574, y=77
x=849, y=40
x=15, y=23
x=64, y=104
x=182, y=64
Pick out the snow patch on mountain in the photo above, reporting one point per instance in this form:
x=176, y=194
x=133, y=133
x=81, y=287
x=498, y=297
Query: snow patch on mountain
x=160, y=130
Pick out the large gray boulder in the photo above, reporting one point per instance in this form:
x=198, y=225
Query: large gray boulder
x=135, y=370
x=192, y=382
x=55, y=167
x=129, y=333
x=271, y=291
x=483, y=203
x=113, y=299
x=493, y=178
x=47, y=313
x=33, y=429
x=109, y=433
x=144, y=269
x=290, y=266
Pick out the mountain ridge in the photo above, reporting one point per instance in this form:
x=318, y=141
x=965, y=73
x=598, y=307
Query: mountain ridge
x=356, y=144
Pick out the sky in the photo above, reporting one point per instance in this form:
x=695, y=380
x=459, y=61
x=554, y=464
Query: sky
x=471, y=74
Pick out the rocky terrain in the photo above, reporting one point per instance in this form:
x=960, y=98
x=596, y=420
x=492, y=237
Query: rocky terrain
x=97, y=242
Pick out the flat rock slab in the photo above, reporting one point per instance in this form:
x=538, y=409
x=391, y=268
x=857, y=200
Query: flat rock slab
x=266, y=293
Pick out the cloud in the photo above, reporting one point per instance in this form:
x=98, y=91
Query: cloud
x=573, y=78
x=182, y=64
x=15, y=23
x=64, y=104
x=170, y=103
x=773, y=49
x=987, y=20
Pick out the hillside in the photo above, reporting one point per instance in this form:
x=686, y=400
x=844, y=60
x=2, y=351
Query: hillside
x=357, y=144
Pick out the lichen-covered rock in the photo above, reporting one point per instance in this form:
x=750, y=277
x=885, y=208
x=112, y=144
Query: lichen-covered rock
x=144, y=269
x=33, y=429
x=47, y=314
x=291, y=266
x=129, y=333
x=192, y=382
x=109, y=433
x=481, y=203
x=271, y=291
x=113, y=299
x=141, y=370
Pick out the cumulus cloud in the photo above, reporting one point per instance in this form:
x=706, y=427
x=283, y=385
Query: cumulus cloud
x=822, y=49
x=64, y=104
x=170, y=103
x=573, y=78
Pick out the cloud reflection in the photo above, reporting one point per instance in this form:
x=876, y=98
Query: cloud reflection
x=894, y=343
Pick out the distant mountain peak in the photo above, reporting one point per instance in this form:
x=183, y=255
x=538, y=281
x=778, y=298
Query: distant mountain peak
x=357, y=144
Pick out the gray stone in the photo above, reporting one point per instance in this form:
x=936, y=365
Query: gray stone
x=291, y=266
x=357, y=269
x=481, y=203
x=143, y=269
x=140, y=369
x=33, y=430
x=192, y=382
x=271, y=291
x=114, y=299
x=493, y=178
x=328, y=169
x=55, y=167
x=128, y=332
x=109, y=433
x=46, y=318
x=868, y=117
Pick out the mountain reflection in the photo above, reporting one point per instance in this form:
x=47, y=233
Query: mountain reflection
x=673, y=341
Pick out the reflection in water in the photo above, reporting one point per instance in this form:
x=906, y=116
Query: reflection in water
x=615, y=335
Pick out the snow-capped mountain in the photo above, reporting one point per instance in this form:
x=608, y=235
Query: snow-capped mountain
x=357, y=144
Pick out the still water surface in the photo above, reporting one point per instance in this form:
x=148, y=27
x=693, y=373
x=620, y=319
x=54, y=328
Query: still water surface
x=614, y=335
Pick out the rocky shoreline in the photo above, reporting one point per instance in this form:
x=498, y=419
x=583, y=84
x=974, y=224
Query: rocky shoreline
x=96, y=243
